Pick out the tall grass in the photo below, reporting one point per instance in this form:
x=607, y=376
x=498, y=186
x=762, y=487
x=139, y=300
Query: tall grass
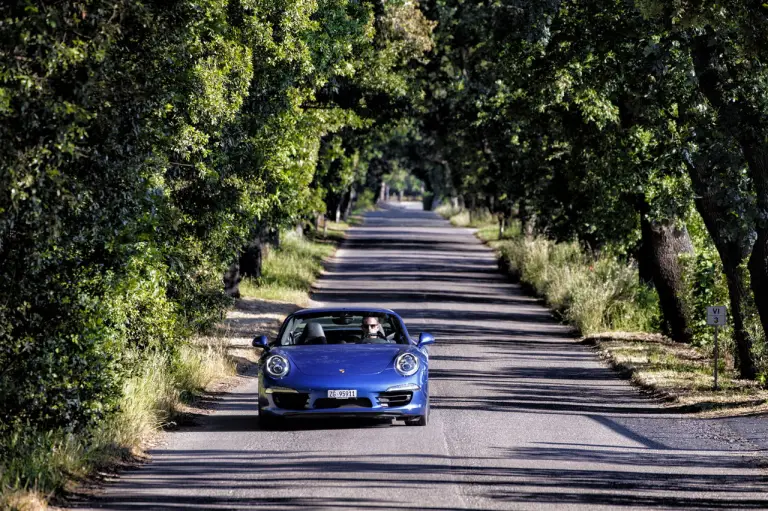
x=461, y=217
x=36, y=465
x=162, y=385
x=490, y=232
x=467, y=218
x=446, y=210
x=593, y=294
x=289, y=271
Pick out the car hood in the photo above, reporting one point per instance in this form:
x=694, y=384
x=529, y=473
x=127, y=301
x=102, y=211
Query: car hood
x=323, y=360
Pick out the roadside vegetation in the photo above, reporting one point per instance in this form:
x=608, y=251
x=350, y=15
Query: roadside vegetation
x=163, y=387
x=289, y=271
x=627, y=142
x=681, y=374
x=603, y=298
x=153, y=397
x=150, y=156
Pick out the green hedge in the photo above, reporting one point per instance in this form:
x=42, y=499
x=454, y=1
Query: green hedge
x=140, y=144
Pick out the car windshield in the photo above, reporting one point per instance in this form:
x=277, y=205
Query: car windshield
x=342, y=328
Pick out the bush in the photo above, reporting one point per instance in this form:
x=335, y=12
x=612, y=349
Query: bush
x=43, y=460
x=365, y=201
x=594, y=295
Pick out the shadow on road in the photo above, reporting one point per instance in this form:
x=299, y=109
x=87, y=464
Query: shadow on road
x=223, y=475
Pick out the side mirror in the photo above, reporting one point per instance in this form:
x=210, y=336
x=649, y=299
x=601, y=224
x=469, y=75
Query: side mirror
x=425, y=338
x=260, y=342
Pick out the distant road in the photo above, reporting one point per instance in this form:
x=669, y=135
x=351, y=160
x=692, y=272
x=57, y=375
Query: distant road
x=522, y=416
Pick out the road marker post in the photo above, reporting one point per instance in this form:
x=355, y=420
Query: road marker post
x=716, y=318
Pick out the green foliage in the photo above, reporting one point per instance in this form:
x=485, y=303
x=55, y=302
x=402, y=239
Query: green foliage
x=289, y=271
x=43, y=460
x=142, y=145
x=366, y=201
x=593, y=294
x=584, y=119
x=705, y=284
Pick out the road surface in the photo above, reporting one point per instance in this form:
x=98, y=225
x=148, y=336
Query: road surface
x=523, y=417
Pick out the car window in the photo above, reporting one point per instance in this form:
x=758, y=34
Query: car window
x=338, y=328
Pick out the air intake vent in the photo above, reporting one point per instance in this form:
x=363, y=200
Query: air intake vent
x=291, y=401
x=395, y=398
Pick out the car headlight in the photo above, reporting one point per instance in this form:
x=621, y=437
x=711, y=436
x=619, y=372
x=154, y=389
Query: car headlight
x=407, y=364
x=277, y=366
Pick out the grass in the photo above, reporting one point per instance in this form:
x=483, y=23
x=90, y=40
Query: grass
x=43, y=464
x=289, y=271
x=594, y=294
x=464, y=218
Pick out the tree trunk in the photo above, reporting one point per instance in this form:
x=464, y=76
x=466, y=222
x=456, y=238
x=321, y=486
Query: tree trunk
x=502, y=225
x=733, y=243
x=758, y=261
x=644, y=266
x=745, y=124
x=665, y=242
x=739, y=295
x=274, y=238
x=252, y=258
x=350, y=201
x=527, y=219
x=232, y=280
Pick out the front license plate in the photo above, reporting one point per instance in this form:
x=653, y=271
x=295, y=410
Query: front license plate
x=342, y=394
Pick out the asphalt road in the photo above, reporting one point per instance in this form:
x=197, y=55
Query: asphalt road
x=522, y=415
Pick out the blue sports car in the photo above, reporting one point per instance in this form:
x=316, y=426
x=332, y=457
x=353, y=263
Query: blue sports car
x=344, y=362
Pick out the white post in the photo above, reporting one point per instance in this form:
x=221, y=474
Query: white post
x=716, y=355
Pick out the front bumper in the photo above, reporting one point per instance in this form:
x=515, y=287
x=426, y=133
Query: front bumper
x=373, y=400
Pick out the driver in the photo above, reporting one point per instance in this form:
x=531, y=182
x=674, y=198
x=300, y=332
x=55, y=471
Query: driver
x=372, y=328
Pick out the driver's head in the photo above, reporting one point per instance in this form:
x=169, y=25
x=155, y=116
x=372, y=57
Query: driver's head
x=370, y=326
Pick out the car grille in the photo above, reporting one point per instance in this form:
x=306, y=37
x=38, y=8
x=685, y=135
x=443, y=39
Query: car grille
x=291, y=401
x=395, y=398
x=325, y=402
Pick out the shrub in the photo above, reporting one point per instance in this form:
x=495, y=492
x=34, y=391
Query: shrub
x=593, y=294
x=43, y=460
x=366, y=201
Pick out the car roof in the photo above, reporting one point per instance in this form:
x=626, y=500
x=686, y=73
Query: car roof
x=315, y=310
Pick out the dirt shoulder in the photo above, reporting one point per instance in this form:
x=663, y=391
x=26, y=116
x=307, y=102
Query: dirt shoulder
x=679, y=374
x=251, y=317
